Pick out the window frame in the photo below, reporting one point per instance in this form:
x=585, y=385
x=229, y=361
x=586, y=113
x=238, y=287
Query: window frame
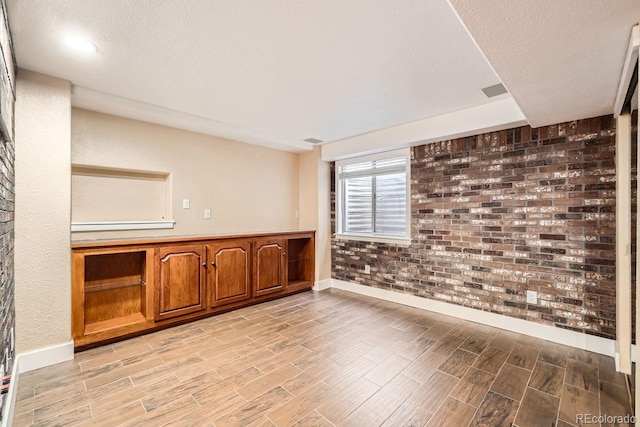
x=339, y=191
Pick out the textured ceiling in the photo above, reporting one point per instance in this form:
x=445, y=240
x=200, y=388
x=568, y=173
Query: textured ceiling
x=266, y=72
x=278, y=72
x=560, y=59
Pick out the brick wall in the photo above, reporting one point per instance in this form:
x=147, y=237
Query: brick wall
x=7, y=198
x=497, y=214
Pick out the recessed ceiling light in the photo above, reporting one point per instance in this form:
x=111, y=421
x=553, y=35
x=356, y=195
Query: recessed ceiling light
x=80, y=44
x=313, y=140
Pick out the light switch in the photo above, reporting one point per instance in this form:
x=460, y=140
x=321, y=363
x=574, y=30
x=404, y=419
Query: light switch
x=207, y=214
x=185, y=203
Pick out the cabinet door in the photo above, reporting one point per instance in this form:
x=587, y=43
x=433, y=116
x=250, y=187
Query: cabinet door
x=269, y=266
x=180, y=280
x=229, y=272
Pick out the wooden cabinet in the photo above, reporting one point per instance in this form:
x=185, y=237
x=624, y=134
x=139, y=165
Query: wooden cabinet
x=269, y=266
x=110, y=292
x=180, y=280
x=229, y=272
x=300, y=263
x=126, y=288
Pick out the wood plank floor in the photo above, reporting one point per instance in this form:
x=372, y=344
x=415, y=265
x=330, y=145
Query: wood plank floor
x=324, y=359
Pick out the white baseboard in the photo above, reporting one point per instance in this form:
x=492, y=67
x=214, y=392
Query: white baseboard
x=45, y=357
x=550, y=333
x=30, y=361
x=321, y=285
x=10, y=401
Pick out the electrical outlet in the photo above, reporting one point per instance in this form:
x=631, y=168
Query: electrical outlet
x=367, y=269
x=186, y=203
x=532, y=297
x=297, y=214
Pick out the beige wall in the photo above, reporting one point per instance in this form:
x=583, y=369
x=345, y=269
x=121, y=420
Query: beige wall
x=42, y=218
x=315, y=209
x=248, y=188
x=323, y=260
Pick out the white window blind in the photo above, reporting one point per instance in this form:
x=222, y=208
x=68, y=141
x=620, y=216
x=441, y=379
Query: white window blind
x=373, y=196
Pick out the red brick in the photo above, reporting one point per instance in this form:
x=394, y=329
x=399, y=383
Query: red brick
x=490, y=221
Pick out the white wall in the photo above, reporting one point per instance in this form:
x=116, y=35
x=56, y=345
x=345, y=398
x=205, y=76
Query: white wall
x=503, y=113
x=43, y=214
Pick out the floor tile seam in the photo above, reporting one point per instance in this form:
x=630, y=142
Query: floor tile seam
x=444, y=401
x=600, y=392
x=272, y=409
x=495, y=376
x=505, y=396
x=79, y=374
x=489, y=372
x=59, y=414
x=526, y=385
x=407, y=397
x=45, y=394
x=113, y=351
x=86, y=393
x=565, y=383
x=115, y=409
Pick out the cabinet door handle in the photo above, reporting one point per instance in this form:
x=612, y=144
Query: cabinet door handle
x=204, y=264
x=284, y=254
x=213, y=263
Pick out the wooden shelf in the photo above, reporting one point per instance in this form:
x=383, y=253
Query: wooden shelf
x=116, y=284
x=92, y=328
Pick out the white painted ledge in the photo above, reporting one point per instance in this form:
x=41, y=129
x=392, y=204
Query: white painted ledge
x=77, y=227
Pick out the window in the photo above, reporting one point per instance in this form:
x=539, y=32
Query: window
x=373, y=197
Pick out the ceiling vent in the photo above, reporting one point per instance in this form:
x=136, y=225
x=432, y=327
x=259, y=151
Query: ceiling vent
x=494, y=90
x=313, y=140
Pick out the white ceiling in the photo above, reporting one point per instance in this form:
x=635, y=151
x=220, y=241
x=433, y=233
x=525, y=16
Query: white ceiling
x=277, y=72
x=560, y=59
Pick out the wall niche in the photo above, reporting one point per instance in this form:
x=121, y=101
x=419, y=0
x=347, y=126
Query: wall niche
x=105, y=199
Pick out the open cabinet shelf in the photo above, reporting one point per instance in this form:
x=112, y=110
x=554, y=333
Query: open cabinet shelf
x=114, y=290
x=300, y=265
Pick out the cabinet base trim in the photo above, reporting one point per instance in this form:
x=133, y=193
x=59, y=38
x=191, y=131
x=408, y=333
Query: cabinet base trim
x=105, y=325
